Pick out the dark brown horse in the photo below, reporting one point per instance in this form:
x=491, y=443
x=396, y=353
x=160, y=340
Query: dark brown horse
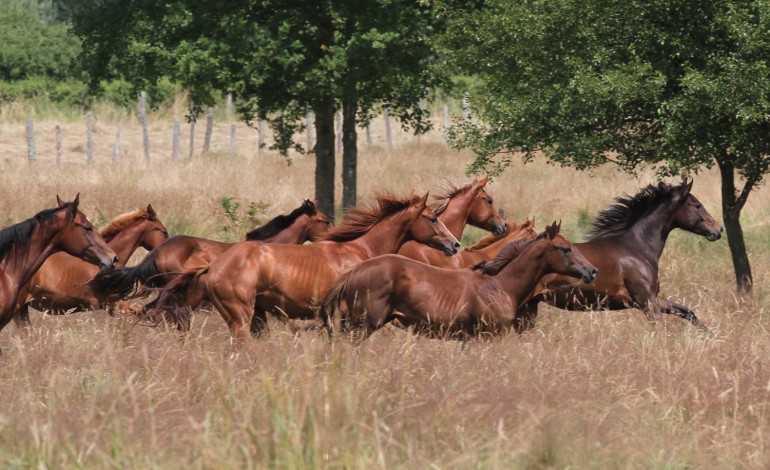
x=252, y=279
x=183, y=253
x=626, y=243
x=449, y=302
x=457, y=207
x=24, y=247
x=59, y=286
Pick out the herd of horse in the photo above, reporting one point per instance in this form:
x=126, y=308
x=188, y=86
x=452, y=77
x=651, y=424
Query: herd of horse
x=396, y=262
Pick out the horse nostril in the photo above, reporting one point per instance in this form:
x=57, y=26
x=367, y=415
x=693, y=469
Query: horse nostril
x=456, y=245
x=594, y=273
x=115, y=260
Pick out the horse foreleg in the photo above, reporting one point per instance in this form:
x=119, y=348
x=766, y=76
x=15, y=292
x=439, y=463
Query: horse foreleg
x=681, y=311
x=21, y=319
x=526, y=316
x=258, y=325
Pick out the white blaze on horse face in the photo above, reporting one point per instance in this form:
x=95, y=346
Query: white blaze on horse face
x=455, y=241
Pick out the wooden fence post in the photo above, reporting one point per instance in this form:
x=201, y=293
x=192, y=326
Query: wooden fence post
x=261, y=137
x=229, y=106
x=338, y=131
x=388, y=137
x=89, y=138
x=142, y=106
x=31, y=152
x=57, y=132
x=467, y=108
x=232, y=140
x=209, y=130
x=175, y=138
x=193, y=117
x=116, y=147
x=447, y=123
x=309, y=128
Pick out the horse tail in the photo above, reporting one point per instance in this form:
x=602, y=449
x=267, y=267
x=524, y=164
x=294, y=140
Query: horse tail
x=177, y=300
x=333, y=299
x=127, y=282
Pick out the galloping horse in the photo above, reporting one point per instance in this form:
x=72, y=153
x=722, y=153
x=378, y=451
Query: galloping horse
x=183, y=253
x=251, y=279
x=458, y=206
x=25, y=246
x=626, y=243
x=441, y=302
x=59, y=286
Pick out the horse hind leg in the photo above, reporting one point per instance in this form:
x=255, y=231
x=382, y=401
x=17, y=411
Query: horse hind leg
x=258, y=325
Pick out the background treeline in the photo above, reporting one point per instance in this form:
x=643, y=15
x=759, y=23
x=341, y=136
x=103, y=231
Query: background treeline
x=39, y=59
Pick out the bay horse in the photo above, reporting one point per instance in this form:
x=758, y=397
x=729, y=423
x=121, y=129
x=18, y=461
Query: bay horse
x=451, y=302
x=59, y=286
x=183, y=253
x=626, y=242
x=457, y=207
x=24, y=247
x=253, y=279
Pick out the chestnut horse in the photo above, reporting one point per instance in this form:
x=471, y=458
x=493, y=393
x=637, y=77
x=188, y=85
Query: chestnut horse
x=59, y=286
x=485, y=249
x=457, y=207
x=183, y=253
x=626, y=243
x=24, y=247
x=252, y=279
x=452, y=302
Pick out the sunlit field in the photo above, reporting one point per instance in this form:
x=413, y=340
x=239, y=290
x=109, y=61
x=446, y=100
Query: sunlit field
x=581, y=390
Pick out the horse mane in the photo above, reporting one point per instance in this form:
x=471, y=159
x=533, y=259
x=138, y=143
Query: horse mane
x=359, y=220
x=119, y=223
x=627, y=210
x=16, y=238
x=506, y=255
x=449, y=192
x=281, y=222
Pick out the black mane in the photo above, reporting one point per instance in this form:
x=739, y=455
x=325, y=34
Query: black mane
x=627, y=210
x=16, y=238
x=281, y=222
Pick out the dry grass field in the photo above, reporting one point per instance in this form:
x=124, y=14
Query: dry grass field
x=582, y=390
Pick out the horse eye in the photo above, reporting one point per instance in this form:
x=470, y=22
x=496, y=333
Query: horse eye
x=88, y=228
x=433, y=220
x=489, y=201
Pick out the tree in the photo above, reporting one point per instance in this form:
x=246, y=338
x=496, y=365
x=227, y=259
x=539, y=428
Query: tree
x=278, y=58
x=677, y=86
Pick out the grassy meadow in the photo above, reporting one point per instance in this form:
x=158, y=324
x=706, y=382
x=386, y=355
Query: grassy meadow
x=582, y=390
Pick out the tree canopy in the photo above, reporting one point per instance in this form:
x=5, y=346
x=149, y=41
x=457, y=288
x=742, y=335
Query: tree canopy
x=279, y=58
x=674, y=85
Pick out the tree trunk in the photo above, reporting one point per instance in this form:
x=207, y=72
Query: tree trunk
x=732, y=205
x=349, y=150
x=324, y=155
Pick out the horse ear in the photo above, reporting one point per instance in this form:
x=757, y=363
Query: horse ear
x=151, y=215
x=423, y=200
x=59, y=202
x=484, y=181
x=688, y=186
x=76, y=202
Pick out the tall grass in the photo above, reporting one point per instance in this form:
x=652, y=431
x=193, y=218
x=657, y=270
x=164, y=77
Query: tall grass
x=582, y=390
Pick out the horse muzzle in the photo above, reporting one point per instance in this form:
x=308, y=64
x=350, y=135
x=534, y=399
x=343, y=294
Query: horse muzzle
x=499, y=229
x=452, y=249
x=590, y=276
x=714, y=235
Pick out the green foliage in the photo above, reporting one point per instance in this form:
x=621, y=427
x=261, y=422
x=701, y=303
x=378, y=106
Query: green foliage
x=35, y=47
x=656, y=83
x=235, y=222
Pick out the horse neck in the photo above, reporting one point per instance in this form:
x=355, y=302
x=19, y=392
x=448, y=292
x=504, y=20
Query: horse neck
x=295, y=234
x=455, y=215
x=651, y=232
x=520, y=277
x=125, y=242
x=21, y=265
x=386, y=236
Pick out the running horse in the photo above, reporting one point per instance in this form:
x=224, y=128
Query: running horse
x=253, y=279
x=24, y=247
x=59, y=286
x=183, y=253
x=457, y=207
x=626, y=242
x=451, y=302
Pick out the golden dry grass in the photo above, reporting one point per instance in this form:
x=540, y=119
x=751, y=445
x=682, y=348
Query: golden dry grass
x=594, y=390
